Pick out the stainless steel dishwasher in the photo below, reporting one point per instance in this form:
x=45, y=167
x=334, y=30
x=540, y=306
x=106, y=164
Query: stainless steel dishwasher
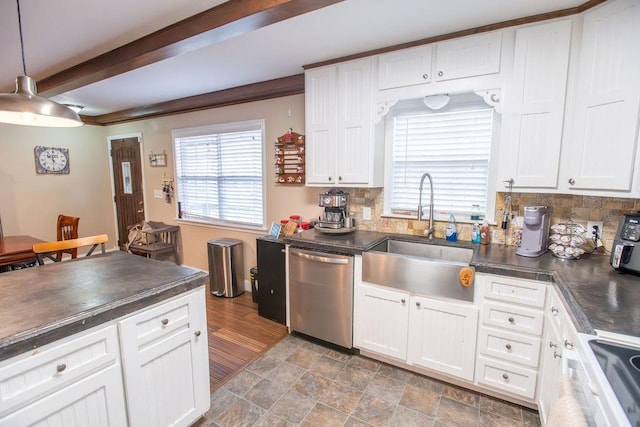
x=321, y=295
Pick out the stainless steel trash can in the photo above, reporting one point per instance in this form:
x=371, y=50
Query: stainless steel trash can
x=226, y=267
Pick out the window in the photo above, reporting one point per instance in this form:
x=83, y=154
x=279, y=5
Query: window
x=453, y=145
x=219, y=174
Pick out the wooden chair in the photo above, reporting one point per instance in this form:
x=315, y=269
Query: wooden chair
x=160, y=239
x=51, y=249
x=67, y=229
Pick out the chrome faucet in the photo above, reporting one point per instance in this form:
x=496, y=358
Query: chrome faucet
x=428, y=232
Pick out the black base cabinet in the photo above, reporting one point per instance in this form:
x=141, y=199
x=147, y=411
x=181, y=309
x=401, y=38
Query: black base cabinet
x=271, y=279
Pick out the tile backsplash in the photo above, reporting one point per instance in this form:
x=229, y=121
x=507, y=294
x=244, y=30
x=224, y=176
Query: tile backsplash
x=578, y=208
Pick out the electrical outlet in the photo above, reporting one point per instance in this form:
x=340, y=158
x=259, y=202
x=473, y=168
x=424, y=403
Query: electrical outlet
x=366, y=213
x=591, y=231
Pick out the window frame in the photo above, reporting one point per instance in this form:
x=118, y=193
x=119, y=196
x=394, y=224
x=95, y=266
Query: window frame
x=439, y=215
x=222, y=128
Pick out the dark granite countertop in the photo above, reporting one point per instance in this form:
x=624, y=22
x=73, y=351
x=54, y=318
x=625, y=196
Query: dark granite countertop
x=597, y=296
x=45, y=303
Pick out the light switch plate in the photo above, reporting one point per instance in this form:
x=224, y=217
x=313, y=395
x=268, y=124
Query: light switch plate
x=157, y=194
x=366, y=213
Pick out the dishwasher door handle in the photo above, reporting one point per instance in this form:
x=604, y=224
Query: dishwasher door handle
x=324, y=259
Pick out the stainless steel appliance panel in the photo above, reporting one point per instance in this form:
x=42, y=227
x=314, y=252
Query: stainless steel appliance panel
x=321, y=295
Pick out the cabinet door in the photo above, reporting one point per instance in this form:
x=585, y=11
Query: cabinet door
x=551, y=368
x=381, y=321
x=442, y=336
x=96, y=400
x=534, y=112
x=320, y=125
x=165, y=360
x=605, y=125
x=468, y=56
x=405, y=67
x=271, y=280
x=355, y=125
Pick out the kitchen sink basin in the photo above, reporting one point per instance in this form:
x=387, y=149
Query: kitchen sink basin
x=426, y=269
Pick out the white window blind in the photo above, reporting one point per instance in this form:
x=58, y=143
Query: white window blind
x=453, y=147
x=219, y=174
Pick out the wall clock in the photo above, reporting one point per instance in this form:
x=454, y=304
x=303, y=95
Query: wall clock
x=51, y=160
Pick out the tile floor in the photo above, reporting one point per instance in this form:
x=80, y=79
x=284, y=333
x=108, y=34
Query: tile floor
x=300, y=383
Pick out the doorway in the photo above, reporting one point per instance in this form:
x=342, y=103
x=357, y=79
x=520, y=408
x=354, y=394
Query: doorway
x=126, y=162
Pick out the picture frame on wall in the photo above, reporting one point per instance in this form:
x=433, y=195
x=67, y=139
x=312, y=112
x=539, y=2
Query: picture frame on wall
x=158, y=160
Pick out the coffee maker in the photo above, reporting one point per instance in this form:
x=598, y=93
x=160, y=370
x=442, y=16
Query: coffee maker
x=334, y=203
x=535, y=231
x=625, y=253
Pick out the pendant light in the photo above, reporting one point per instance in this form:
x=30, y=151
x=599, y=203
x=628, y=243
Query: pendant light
x=25, y=107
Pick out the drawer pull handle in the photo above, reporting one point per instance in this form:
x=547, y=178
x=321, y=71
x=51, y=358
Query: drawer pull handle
x=417, y=303
x=568, y=344
x=197, y=333
x=164, y=322
x=552, y=345
x=403, y=300
x=554, y=310
x=425, y=76
x=505, y=376
x=61, y=367
x=508, y=347
x=511, y=320
x=440, y=73
x=557, y=355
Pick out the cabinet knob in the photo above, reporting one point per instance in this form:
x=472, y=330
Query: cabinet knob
x=557, y=355
x=271, y=291
x=440, y=73
x=508, y=347
x=552, y=345
x=330, y=179
x=403, y=300
x=511, y=320
x=197, y=333
x=339, y=178
x=554, y=310
x=568, y=344
x=417, y=303
x=505, y=376
x=61, y=367
x=164, y=322
x=425, y=76
x=572, y=181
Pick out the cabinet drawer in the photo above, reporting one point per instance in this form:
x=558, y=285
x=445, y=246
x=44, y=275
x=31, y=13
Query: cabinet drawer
x=33, y=375
x=519, y=291
x=509, y=346
x=504, y=376
x=160, y=322
x=517, y=319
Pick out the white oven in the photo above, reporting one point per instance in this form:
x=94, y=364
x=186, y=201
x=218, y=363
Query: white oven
x=604, y=379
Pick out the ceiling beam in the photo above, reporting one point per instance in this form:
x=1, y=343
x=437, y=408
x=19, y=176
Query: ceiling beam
x=276, y=88
x=229, y=19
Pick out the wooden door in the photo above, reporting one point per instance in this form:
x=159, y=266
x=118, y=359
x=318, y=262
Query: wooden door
x=127, y=176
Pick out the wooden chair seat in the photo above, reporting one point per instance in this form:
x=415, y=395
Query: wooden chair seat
x=160, y=239
x=51, y=249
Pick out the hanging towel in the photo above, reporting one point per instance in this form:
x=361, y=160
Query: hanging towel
x=566, y=411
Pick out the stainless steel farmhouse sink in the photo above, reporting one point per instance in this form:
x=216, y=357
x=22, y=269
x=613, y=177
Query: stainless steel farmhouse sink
x=421, y=268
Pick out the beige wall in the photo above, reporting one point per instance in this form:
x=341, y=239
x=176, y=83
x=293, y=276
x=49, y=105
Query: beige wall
x=282, y=200
x=30, y=203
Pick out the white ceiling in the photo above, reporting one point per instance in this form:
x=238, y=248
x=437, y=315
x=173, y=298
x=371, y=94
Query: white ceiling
x=61, y=33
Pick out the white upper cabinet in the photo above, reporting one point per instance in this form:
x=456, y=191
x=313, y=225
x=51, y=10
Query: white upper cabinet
x=534, y=110
x=339, y=126
x=468, y=56
x=405, y=67
x=604, y=133
x=465, y=57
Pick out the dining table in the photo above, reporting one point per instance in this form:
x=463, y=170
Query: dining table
x=14, y=249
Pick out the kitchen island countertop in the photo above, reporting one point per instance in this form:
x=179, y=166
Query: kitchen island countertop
x=597, y=296
x=43, y=304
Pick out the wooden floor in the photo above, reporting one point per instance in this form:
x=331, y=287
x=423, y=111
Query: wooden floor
x=237, y=335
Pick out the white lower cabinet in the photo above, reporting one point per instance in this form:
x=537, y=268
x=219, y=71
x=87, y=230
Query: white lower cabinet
x=442, y=336
x=154, y=373
x=435, y=334
x=165, y=361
